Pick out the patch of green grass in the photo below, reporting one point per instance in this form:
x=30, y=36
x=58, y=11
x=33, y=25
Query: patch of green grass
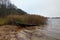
x=2, y=21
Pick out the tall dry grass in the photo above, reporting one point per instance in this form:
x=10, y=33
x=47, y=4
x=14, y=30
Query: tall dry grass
x=28, y=19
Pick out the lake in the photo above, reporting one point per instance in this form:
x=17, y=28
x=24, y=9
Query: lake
x=52, y=30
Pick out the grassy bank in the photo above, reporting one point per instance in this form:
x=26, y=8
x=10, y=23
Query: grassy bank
x=28, y=19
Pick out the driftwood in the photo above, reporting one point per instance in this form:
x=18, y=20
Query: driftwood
x=20, y=24
x=24, y=25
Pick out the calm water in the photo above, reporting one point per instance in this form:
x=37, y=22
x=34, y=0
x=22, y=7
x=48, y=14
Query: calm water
x=52, y=30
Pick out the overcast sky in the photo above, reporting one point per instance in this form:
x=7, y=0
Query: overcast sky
x=49, y=8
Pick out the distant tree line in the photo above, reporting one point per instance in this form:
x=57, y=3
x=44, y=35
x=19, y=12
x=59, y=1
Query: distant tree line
x=7, y=8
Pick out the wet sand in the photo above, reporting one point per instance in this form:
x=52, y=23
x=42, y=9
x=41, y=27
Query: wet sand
x=11, y=32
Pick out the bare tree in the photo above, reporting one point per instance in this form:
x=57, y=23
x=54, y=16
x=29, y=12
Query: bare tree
x=5, y=3
x=6, y=8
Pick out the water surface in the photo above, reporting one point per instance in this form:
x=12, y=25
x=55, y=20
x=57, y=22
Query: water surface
x=53, y=29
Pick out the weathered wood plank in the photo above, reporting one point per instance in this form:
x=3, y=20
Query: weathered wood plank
x=23, y=24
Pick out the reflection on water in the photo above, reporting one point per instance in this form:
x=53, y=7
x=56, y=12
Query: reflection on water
x=53, y=28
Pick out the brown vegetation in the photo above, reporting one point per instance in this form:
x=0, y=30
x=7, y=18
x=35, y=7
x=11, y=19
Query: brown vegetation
x=28, y=19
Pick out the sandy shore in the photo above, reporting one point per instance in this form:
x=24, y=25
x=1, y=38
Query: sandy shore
x=11, y=32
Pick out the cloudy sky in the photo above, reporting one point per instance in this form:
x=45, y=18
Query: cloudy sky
x=49, y=8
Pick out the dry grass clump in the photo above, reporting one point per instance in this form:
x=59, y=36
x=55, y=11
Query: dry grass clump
x=28, y=19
